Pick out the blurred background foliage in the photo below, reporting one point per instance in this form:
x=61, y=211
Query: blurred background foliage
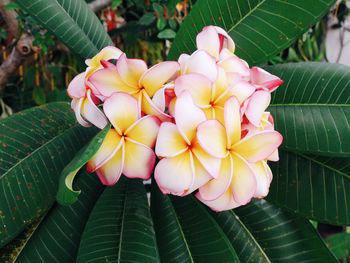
x=143, y=29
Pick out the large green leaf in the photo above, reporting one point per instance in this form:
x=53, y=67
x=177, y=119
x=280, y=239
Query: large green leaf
x=260, y=28
x=120, y=227
x=315, y=187
x=186, y=232
x=72, y=22
x=36, y=145
x=66, y=194
x=171, y=240
x=312, y=111
x=57, y=237
x=339, y=244
x=312, y=108
x=283, y=236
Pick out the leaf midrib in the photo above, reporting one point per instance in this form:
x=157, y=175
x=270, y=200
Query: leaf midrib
x=246, y=15
x=322, y=164
x=250, y=235
x=38, y=149
x=180, y=228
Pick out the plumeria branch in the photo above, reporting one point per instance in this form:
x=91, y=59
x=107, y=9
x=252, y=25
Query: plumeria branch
x=98, y=5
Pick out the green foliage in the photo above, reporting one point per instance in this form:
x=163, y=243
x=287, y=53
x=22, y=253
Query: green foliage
x=311, y=180
x=120, y=228
x=260, y=28
x=339, y=244
x=71, y=21
x=66, y=194
x=36, y=145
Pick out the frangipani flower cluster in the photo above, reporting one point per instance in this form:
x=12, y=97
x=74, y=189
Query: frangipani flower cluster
x=204, y=117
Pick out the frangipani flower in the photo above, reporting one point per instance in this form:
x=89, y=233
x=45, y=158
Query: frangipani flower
x=265, y=80
x=211, y=97
x=85, y=98
x=127, y=148
x=132, y=76
x=84, y=103
x=107, y=53
x=213, y=40
x=243, y=165
x=185, y=165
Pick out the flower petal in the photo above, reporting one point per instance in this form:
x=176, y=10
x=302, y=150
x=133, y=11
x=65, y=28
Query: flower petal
x=183, y=62
x=76, y=88
x=122, y=111
x=106, y=53
x=91, y=113
x=76, y=106
x=227, y=40
x=110, y=172
x=262, y=179
x=174, y=175
x=234, y=64
x=232, y=118
x=217, y=187
x=242, y=90
x=155, y=77
x=201, y=176
x=201, y=62
x=263, y=78
x=259, y=146
x=130, y=70
x=108, y=81
x=223, y=203
x=274, y=157
x=110, y=145
x=212, y=137
x=243, y=184
x=139, y=161
x=258, y=103
x=150, y=108
x=208, y=40
x=210, y=163
x=197, y=85
x=144, y=131
x=169, y=141
x=187, y=116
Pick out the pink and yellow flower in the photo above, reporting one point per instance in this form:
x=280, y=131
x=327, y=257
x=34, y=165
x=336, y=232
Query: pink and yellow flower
x=243, y=173
x=84, y=98
x=185, y=165
x=127, y=148
x=132, y=76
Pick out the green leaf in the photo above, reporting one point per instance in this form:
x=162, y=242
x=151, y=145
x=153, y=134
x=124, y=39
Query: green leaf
x=57, y=237
x=186, y=232
x=161, y=23
x=147, y=19
x=120, y=227
x=171, y=6
x=171, y=240
x=248, y=248
x=312, y=109
x=283, y=236
x=166, y=34
x=116, y=3
x=339, y=244
x=39, y=96
x=158, y=8
x=260, y=28
x=72, y=22
x=66, y=195
x=315, y=187
x=36, y=145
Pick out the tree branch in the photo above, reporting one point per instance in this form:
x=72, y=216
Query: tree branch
x=98, y=5
x=23, y=49
x=9, y=18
